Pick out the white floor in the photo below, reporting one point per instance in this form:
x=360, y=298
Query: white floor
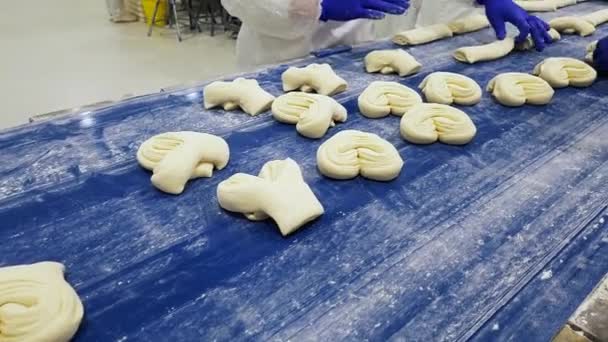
x=62, y=54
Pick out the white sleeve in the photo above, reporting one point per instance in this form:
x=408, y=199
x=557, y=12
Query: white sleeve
x=445, y=11
x=284, y=19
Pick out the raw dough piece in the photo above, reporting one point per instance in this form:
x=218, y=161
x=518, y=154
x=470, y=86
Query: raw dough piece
x=590, y=51
x=447, y=88
x=278, y=192
x=468, y=24
x=243, y=93
x=380, y=99
x=528, y=44
x=320, y=78
x=487, y=52
x=538, y=6
x=423, y=35
x=562, y=72
x=564, y=3
x=427, y=123
x=312, y=114
x=176, y=157
x=572, y=24
x=37, y=304
x=350, y=153
x=392, y=61
x=596, y=18
x=515, y=89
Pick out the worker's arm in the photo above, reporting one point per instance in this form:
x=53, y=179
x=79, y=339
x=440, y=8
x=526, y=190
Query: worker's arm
x=600, y=56
x=500, y=12
x=292, y=19
x=285, y=19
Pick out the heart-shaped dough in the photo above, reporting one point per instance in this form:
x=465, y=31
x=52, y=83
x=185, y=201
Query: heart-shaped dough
x=515, y=89
x=380, y=99
x=37, y=304
x=447, y=88
x=430, y=122
x=562, y=72
x=571, y=25
x=350, y=153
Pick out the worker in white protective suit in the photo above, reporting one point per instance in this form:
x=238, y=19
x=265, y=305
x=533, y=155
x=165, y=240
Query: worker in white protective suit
x=279, y=30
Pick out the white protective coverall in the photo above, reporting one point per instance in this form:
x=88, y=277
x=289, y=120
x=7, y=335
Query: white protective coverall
x=280, y=30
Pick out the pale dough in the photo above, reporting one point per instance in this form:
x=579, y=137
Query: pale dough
x=538, y=6
x=423, y=35
x=447, y=88
x=528, y=44
x=313, y=114
x=427, y=123
x=320, y=78
x=37, y=304
x=596, y=18
x=572, y=25
x=380, y=99
x=278, y=192
x=487, y=52
x=244, y=93
x=468, y=24
x=176, y=157
x=350, y=153
x=590, y=51
x=564, y=3
x=391, y=61
x=516, y=89
x=562, y=72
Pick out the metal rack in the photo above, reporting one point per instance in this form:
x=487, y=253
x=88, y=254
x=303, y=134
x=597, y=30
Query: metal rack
x=173, y=18
x=201, y=13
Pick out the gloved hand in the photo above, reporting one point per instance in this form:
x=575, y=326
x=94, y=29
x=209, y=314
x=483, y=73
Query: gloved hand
x=345, y=10
x=600, y=56
x=500, y=12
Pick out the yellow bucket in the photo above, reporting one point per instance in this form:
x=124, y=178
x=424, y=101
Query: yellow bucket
x=161, y=14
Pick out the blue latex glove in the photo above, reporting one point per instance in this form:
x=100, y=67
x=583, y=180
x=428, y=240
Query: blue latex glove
x=345, y=10
x=600, y=56
x=500, y=12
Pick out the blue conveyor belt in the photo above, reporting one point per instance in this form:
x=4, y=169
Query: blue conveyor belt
x=496, y=240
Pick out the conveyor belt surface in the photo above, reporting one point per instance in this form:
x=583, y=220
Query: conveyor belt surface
x=500, y=239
